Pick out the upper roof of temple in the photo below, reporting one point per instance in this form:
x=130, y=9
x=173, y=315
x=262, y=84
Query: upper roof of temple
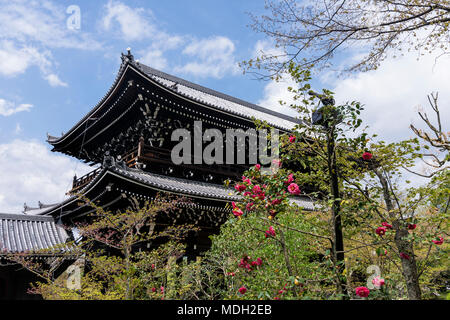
x=136, y=85
x=219, y=100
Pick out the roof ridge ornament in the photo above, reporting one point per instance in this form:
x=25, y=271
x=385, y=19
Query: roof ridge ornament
x=127, y=57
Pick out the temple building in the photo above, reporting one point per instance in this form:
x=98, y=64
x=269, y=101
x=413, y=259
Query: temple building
x=126, y=138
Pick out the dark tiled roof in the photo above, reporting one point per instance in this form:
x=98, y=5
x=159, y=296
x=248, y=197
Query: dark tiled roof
x=178, y=185
x=218, y=99
x=25, y=233
x=195, y=188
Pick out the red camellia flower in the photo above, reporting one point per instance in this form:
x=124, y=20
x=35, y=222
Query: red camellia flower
x=438, y=242
x=404, y=256
x=276, y=201
x=293, y=188
x=387, y=225
x=153, y=289
x=411, y=226
x=257, y=166
x=270, y=232
x=292, y=139
x=381, y=231
x=362, y=292
x=256, y=189
x=239, y=187
x=242, y=290
x=290, y=179
x=238, y=212
x=246, y=180
x=367, y=156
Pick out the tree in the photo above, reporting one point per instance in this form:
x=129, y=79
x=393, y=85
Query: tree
x=115, y=261
x=437, y=139
x=310, y=33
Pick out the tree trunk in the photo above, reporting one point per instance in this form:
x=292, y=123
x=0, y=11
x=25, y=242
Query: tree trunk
x=409, y=267
x=338, y=243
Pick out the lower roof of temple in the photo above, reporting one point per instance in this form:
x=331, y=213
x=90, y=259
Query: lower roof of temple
x=29, y=233
x=121, y=178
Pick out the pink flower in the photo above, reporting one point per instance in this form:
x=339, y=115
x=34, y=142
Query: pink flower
x=249, y=206
x=404, y=256
x=257, y=166
x=162, y=289
x=411, y=226
x=238, y=212
x=292, y=139
x=256, y=189
x=378, y=282
x=290, y=179
x=246, y=180
x=261, y=195
x=381, y=231
x=387, y=225
x=270, y=232
x=240, y=187
x=234, y=205
x=247, y=193
x=438, y=242
x=153, y=266
x=367, y=156
x=280, y=292
x=276, y=201
x=362, y=292
x=258, y=261
x=242, y=290
x=230, y=274
x=294, y=189
x=153, y=289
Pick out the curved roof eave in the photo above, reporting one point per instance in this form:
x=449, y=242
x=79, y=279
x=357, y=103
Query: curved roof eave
x=138, y=68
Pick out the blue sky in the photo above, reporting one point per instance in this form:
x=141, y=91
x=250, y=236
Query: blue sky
x=50, y=76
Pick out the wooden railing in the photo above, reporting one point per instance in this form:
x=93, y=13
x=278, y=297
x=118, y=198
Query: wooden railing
x=79, y=183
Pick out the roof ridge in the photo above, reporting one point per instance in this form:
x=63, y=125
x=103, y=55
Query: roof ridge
x=152, y=71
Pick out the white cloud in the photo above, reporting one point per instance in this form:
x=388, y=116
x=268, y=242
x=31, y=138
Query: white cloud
x=54, y=80
x=41, y=22
x=133, y=23
x=215, y=57
x=8, y=108
x=15, y=60
x=31, y=173
x=136, y=24
x=392, y=93
x=29, y=30
x=265, y=48
x=276, y=91
x=154, y=58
